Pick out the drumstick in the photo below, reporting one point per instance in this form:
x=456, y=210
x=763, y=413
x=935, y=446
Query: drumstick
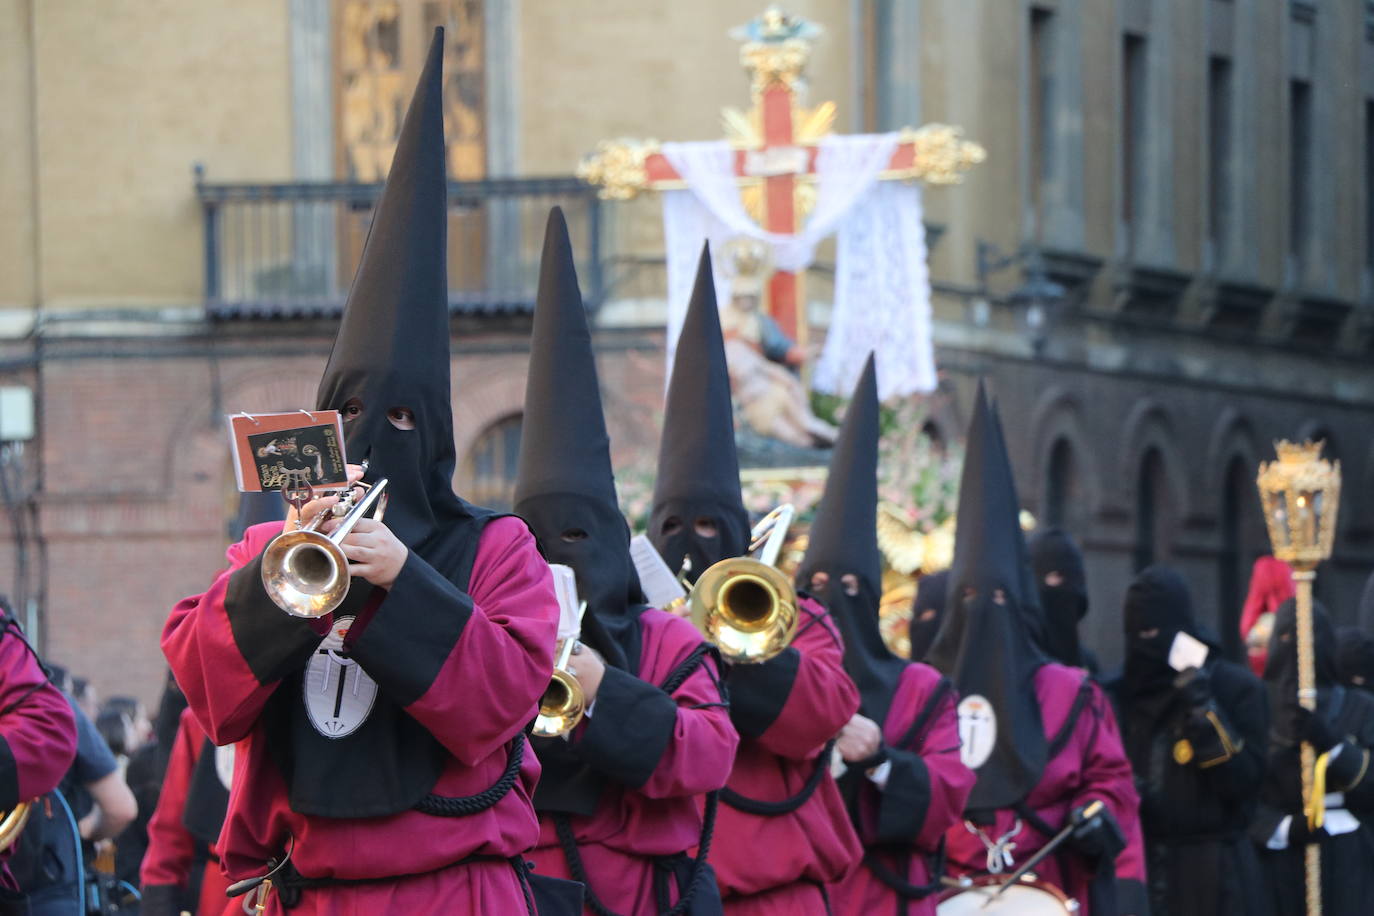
x=1060, y=837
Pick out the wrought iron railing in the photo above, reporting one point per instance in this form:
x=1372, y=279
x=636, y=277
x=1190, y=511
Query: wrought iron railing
x=289, y=250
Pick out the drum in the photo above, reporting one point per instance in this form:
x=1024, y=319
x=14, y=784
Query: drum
x=1028, y=897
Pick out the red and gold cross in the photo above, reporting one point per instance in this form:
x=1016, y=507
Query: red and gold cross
x=776, y=143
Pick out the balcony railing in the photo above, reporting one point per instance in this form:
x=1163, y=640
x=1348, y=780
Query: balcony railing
x=290, y=250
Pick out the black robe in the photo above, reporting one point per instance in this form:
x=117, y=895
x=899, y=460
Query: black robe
x=1199, y=858
x=1347, y=859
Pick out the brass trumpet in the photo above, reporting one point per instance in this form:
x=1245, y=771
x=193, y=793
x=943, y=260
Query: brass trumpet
x=744, y=605
x=12, y=824
x=563, y=703
x=305, y=572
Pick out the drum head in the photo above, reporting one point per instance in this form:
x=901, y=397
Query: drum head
x=1026, y=898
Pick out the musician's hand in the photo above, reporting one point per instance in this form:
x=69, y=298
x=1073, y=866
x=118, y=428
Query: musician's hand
x=374, y=553
x=587, y=666
x=316, y=506
x=859, y=740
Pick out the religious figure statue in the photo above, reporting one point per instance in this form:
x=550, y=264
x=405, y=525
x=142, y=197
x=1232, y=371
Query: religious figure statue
x=764, y=362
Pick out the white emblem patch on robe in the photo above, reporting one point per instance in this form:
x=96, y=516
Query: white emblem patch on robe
x=224, y=765
x=977, y=730
x=338, y=693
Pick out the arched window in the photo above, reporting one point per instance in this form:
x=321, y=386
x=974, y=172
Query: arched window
x=1152, y=512
x=487, y=476
x=1061, y=487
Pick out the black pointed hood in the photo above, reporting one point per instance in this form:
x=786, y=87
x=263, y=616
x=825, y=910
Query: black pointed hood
x=698, y=468
x=844, y=542
x=392, y=349
x=1355, y=657
x=983, y=645
x=564, y=486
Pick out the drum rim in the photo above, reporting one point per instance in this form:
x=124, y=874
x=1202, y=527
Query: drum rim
x=985, y=880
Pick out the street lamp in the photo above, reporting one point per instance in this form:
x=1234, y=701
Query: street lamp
x=1038, y=296
x=1301, y=494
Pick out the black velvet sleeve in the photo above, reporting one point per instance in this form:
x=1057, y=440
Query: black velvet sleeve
x=759, y=692
x=9, y=777
x=414, y=631
x=629, y=730
x=904, y=801
x=1233, y=756
x=272, y=642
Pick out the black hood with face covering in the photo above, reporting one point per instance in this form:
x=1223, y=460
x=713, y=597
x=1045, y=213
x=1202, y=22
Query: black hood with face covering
x=1355, y=657
x=698, y=468
x=983, y=646
x=932, y=595
x=1159, y=603
x=1281, y=667
x=1064, y=605
x=844, y=541
x=392, y=349
x=564, y=486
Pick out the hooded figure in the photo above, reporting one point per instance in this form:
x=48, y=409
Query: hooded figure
x=1355, y=658
x=928, y=612
x=842, y=565
x=1341, y=731
x=698, y=515
x=983, y=646
x=1040, y=736
x=564, y=486
x=1056, y=557
x=619, y=799
x=920, y=785
x=1196, y=740
x=786, y=709
x=349, y=734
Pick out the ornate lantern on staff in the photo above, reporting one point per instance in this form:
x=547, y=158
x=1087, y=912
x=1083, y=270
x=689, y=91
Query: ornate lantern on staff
x=1301, y=494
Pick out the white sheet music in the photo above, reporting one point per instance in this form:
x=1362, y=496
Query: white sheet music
x=565, y=587
x=661, y=587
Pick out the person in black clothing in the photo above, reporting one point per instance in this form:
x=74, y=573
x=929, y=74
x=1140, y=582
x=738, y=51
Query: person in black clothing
x=1062, y=581
x=1355, y=658
x=1196, y=740
x=1341, y=730
x=927, y=612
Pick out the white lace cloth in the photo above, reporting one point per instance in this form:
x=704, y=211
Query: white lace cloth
x=882, y=290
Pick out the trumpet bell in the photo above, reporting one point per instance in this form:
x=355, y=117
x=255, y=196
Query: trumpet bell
x=12, y=823
x=305, y=573
x=561, y=706
x=747, y=608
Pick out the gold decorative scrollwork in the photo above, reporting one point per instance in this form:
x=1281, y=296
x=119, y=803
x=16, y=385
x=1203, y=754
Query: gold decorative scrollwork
x=942, y=153
x=774, y=62
x=617, y=167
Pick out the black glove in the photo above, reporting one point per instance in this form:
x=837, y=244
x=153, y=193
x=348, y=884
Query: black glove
x=1299, y=834
x=1194, y=687
x=1096, y=835
x=1315, y=730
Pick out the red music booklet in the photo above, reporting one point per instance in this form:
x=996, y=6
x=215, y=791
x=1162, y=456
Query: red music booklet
x=299, y=447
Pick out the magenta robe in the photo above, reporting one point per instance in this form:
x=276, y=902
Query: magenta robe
x=769, y=864
x=661, y=816
x=37, y=737
x=1092, y=765
x=927, y=767
x=490, y=677
x=166, y=868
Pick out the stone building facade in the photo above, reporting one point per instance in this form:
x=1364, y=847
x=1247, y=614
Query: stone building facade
x=1178, y=196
